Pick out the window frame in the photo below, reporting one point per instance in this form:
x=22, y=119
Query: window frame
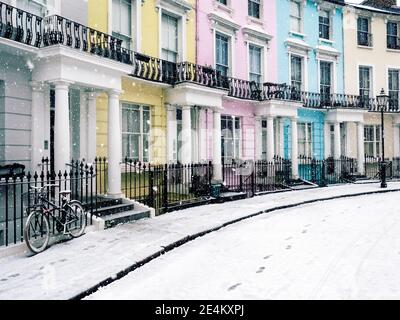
x=331, y=80
x=324, y=24
x=168, y=50
x=368, y=40
x=127, y=38
x=391, y=36
x=250, y=8
x=308, y=138
x=301, y=81
x=376, y=140
x=228, y=53
x=254, y=47
x=299, y=18
x=236, y=138
x=142, y=109
x=393, y=102
x=360, y=89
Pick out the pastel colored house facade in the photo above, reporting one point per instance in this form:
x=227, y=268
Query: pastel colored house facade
x=372, y=63
x=237, y=38
x=310, y=58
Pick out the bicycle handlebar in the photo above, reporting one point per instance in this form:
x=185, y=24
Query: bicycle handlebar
x=45, y=186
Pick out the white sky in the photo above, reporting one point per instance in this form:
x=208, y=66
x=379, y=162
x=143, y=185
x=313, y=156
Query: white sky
x=359, y=1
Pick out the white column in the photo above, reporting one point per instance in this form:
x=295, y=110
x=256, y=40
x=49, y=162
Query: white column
x=337, y=150
x=202, y=135
x=83, y=126
x=38, y=125
x=186, y=135
x=327, y=128
x=270, y=139
x=258, y=138
x=92, y=127
x=282, y=137
x=295, y=149
x=217, y=153
x=396, y=140
x=114, y=145
x=171, y=133
x=62, y=147
x=360, y=147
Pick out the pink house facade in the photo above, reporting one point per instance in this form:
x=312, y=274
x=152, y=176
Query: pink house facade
x=240, y=44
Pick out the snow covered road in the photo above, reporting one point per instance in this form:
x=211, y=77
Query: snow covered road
x=341, y=249
x=70, y=268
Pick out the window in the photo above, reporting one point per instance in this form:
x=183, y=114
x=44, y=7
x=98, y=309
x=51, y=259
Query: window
x=230, y=129
x=325, y=79
x=295, y=16
x=392, y=35
x=122, y=21
x=332, y=139
x=305, y=139
x=296, y=72
x=169, y=35
x=364, y=37
x=135, y=132
x=222, y=54
x=372, y=138
x=264, y=139
x=393, y=88
x=224, y=2
x=255, y=64
x=324, y=25
x=36, y=7
x=254, y=8
x=365, y=81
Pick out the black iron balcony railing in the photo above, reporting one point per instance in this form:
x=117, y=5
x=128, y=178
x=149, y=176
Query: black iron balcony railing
x=19, y=25
x=364, y=39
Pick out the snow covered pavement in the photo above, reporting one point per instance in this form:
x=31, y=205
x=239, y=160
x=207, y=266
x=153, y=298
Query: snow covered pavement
x=70, y=268
x=341, y=249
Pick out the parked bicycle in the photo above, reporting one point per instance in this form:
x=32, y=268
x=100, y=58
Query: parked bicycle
x=42, y=214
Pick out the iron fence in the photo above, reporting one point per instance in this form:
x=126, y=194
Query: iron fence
x=16, y=196
x=255, y=177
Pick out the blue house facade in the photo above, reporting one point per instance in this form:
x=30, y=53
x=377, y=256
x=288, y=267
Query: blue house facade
x=310, y=58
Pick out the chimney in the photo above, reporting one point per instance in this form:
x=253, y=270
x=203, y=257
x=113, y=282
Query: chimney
x=382, y=4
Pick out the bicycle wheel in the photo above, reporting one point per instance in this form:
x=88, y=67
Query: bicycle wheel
x=37, y=231
x=75, y=219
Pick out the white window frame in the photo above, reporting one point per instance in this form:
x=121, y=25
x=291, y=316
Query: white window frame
x=330, y=35
x=372, y=78
x=308, y=144
x=261, y=9
x=262, y=60
x=42, y=4
x=127, y=105
x=181, y=17
x=387, y=79
x=230, y=53
x=369, y=30
x=303, y=71
x=136, y=23
x=300, y=18
x=237, y=154
x=375, y=141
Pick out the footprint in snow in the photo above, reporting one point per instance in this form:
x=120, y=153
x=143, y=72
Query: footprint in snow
x=290, y=238
x=267, y=257
x=261, y=270
x=3, y=280
x=234, y=286
x=304, y=231
x=289, y=247
x=14, y=275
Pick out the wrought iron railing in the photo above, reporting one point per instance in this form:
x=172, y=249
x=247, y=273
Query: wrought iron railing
x=21, y=26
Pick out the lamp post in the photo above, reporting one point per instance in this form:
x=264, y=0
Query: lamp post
x=383, y=100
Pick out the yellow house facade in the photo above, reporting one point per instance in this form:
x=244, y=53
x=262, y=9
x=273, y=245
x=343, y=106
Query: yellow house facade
x=372, y=63
x=160, y=29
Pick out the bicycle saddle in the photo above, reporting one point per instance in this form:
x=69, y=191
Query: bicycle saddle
x=65, y=192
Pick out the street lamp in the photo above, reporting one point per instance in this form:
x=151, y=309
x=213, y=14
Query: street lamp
x=383, y=100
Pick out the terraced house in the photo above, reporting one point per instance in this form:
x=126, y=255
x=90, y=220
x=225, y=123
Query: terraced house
x=171, y=103
x=371, y=63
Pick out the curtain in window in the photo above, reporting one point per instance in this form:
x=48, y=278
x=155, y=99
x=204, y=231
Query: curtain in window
x=255, y=63
x=222, y=54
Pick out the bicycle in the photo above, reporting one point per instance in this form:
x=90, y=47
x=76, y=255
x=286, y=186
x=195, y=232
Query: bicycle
x=70, y=221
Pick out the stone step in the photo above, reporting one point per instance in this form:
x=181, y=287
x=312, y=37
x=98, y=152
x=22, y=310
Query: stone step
x=112, y=220
x=110, y=210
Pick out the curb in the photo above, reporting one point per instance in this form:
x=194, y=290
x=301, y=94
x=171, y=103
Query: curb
x=192, y=237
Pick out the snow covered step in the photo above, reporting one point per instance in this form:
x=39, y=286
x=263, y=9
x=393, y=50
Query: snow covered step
x=230, y=196
x=124, y=217
x=123, y=207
